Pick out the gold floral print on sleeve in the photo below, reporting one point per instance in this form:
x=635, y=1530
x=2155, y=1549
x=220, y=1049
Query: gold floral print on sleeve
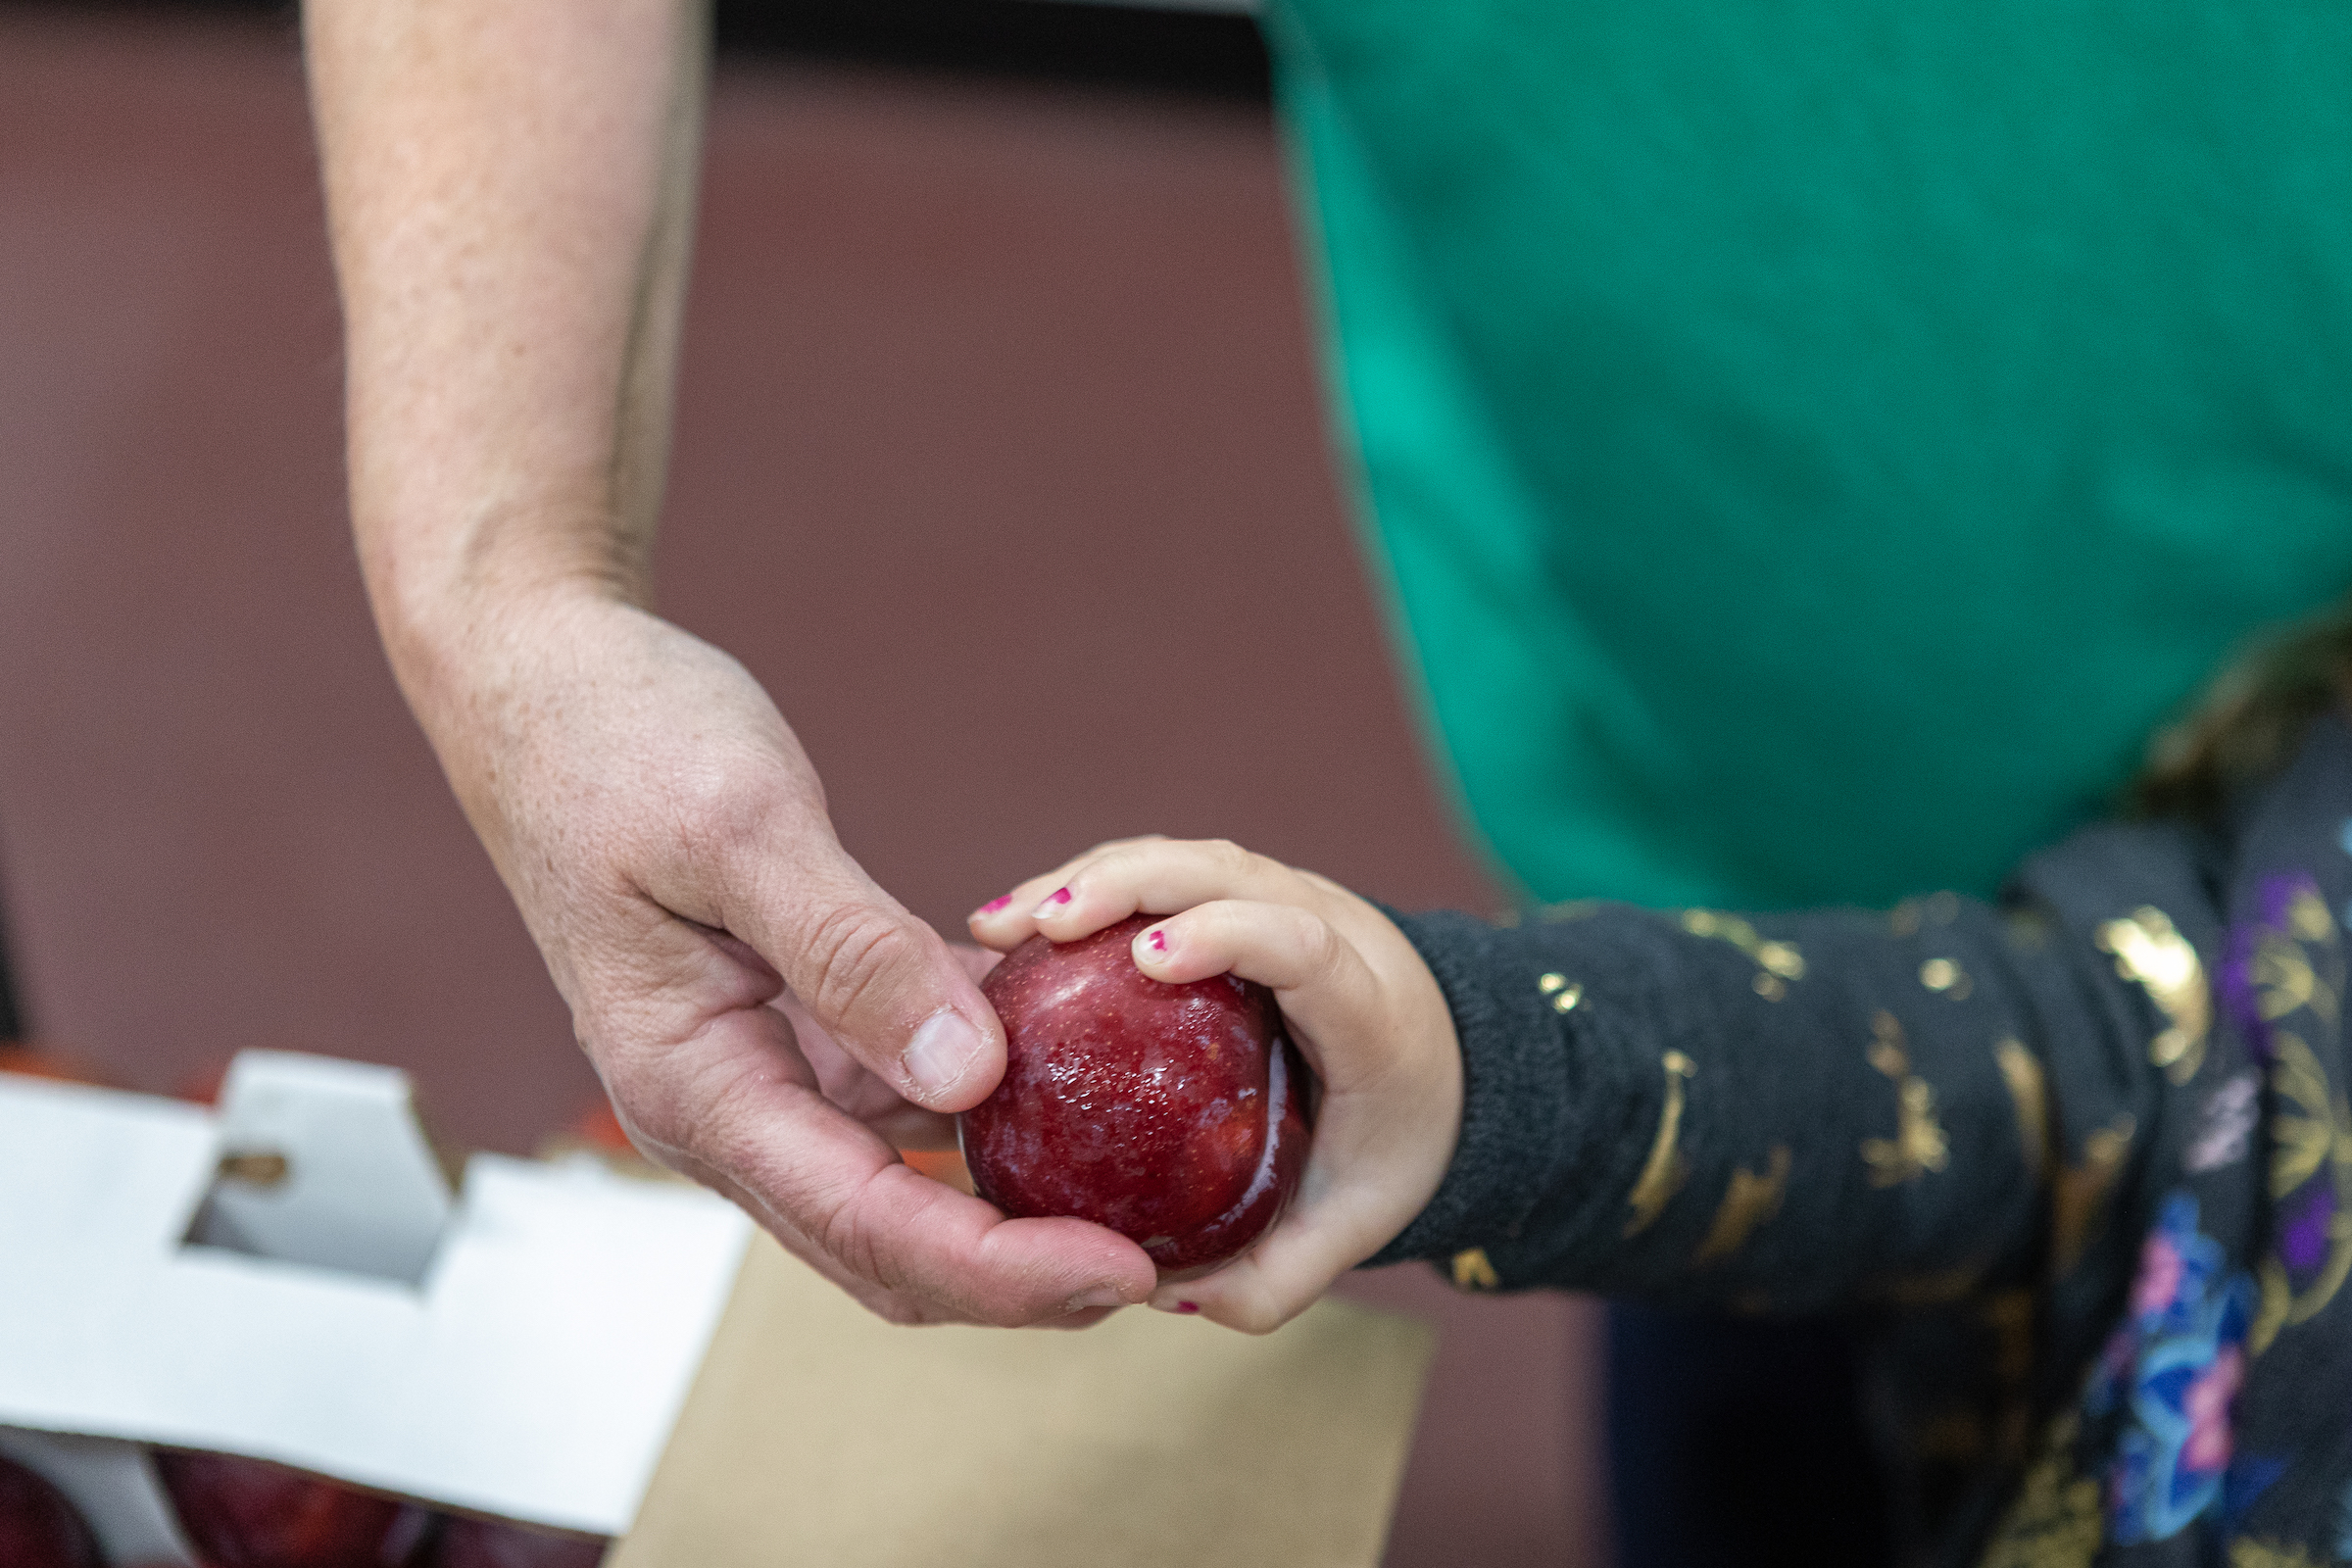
x=2151, y=952
x=2247, y=1552
x=2310, y=1133
x=2028, y=1090
x=2055, y=1521
x=1919, y=1144
x=2307, y=1126
x=2079, y=1192
x=1776, y=962
x=1946, y=978
x=1749, y=1200
x=2283, y=978
x=1474, y=1271
x=1665, y=1171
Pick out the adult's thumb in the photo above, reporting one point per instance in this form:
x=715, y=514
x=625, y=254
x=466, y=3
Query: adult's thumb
x=887, y=990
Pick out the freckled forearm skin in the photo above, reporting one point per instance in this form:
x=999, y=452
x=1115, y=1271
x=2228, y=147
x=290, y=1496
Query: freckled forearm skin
x=510, y=185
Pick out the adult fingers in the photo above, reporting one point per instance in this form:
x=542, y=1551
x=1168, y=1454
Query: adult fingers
x=727, y=1110
x=878, y=981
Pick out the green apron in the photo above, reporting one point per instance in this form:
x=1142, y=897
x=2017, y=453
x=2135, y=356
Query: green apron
x=1811, y=444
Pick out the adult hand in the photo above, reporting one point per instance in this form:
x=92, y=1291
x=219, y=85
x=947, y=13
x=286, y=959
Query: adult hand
x=667, y=844
x=511, y=187
x=1359, y=1004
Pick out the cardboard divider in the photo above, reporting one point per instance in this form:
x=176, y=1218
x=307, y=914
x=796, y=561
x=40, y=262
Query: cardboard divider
x=323, y=1162
x=531, y=1372
x=569, y=1348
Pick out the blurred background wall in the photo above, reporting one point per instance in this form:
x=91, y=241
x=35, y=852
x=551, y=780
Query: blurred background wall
x=1001, y=460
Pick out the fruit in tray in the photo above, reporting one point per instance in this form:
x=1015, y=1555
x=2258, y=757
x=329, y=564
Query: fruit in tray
x=1174, y=1114
x=39, y=1527
x=481, y=1543
x=245, y=1513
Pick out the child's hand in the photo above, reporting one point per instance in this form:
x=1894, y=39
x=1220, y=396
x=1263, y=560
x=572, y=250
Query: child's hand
x=1360, y=1002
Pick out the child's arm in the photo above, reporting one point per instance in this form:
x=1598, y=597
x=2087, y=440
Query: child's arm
x=1794, y=1113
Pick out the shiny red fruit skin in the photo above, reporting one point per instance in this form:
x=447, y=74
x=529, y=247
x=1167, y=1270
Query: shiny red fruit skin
x=246, y=1513
x=479, y=1543
x=1174, y=1114
x=39, y=1527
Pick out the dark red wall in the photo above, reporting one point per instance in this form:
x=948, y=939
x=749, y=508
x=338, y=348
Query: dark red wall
x=1000, y=461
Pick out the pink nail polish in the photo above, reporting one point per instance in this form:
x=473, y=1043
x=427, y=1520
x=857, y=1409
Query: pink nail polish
x=996, y=904
x=1059, y=896
x=1158, y=941
x=1188, y=1306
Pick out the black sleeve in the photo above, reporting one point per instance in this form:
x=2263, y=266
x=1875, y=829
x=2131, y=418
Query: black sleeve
x=1818, y=1110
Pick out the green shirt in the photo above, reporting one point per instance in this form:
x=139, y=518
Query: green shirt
x=1812, y=444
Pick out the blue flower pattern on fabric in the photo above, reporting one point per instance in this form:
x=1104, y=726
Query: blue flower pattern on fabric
x=2173, y=1369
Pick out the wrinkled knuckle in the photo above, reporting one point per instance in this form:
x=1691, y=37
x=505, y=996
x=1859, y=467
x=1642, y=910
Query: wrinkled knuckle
x=845, y=954
x=850, y=1242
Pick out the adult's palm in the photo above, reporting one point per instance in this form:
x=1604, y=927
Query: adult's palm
x=766, y=1020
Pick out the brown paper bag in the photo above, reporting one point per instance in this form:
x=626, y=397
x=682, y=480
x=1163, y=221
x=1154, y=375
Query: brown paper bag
x=817, y=1434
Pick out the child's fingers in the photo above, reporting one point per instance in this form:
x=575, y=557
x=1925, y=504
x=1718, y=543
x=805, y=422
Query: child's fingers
x=1007, y=920
x=1377, y=1155
x=1159, y=876
x=1372, y=1163
x=1279, y=945
x=1326, y=989
x=1276, y=1280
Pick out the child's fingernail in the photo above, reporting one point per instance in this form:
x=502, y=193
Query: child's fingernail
x=1152, y=944
x=1188, y=1306
x=991, y=906
x=1054, y=900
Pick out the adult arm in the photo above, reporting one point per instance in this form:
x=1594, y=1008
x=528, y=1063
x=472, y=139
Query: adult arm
x=510, y=185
